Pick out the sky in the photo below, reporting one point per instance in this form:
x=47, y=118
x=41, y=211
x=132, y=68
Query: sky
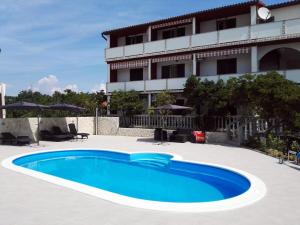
x=53, y=45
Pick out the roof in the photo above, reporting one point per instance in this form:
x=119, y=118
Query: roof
x=243, y=7
x=284, y=4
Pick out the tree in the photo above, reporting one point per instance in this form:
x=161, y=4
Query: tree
x=126, y=103
x=87, y=100
x=190, y=90
x=207, y=97
x=277, y=98
x=241, y=94
x=164, y=98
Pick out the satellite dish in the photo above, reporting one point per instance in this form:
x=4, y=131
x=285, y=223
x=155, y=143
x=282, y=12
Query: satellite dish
x=264, y=13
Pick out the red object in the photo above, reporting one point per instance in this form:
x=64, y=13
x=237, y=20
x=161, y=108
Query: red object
x=199, y=136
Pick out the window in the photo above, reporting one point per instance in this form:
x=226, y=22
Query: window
x=131, y=40
x=172, y=71
x=180, y=102
x=177, y=32
x=136, y=74
x=226, y=24
x=226, y=66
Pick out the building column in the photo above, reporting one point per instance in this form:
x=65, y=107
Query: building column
x=254, y=59
x=149, y=100
x=194, y=65
x=253, y=14
x=149, y=33
x=149, y=69
x=194, y=25
x=108, y=73
x=108, y=105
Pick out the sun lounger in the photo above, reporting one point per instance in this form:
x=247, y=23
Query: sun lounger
x=9, y=138
x=57, y=131
x=73, y=131
x=49, y=136
x=181, y=135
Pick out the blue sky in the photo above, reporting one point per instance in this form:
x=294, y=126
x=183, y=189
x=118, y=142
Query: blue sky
x=51, y=45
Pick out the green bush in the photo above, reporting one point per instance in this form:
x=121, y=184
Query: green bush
x=275, y=143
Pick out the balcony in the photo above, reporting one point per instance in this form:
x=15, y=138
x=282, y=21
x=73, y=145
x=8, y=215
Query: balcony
x=148, y=85
x=246, y=34
x=177, y=84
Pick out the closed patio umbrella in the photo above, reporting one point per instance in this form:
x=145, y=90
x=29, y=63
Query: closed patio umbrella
x=68, y=107
x=170, y=107
x=173, y=107
x=27, y=106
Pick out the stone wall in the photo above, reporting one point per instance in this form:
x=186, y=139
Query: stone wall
x=216, y=137
x=29, y=126
x=135, y=132
x=106, y=126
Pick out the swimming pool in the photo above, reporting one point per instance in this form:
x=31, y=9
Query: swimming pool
x=158, y=181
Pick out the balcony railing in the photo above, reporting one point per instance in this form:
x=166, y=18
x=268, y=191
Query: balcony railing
x=175, y=84
x=203, y=40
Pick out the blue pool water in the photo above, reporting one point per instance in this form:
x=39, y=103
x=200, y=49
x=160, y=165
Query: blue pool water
x=147, y=176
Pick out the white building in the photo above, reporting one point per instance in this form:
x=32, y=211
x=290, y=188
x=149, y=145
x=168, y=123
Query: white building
x=213, y=44
x=2, y=99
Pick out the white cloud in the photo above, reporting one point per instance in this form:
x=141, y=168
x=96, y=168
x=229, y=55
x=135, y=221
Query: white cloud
x=99, y=87
x=50, y=83
x=49, y=80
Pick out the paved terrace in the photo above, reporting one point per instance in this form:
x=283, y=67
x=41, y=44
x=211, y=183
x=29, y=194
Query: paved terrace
x=26, y=201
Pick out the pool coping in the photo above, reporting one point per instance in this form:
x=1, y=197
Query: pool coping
x=256, y=191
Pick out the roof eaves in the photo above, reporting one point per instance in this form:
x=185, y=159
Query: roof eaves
x=247, y=3
x=284, y=4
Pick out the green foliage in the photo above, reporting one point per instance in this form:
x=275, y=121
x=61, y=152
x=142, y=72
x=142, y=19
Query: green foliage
x=275, y=143
x=270, y=96
x=207, y=97
x=164, y=98
x=87, y=100
x=126, y=103
x=254, y=142
x=295, y=146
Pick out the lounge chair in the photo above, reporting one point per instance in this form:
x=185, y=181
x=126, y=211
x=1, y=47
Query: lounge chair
x=9, y=138
x=181, y=135
x=160, y=135
x=57, y=131
x=46, y=135
x=73, y=131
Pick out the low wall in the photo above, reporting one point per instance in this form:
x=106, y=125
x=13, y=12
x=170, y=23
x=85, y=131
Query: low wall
x=29, y=126
x=106, y=126
x=217, y=137
x=135, y=132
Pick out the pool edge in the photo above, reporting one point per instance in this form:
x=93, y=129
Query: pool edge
x=256, y=191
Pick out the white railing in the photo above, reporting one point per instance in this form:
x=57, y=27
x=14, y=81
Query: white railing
x=148, y=85
x=159, y=121
x=178, y=83
x=240, y=128
x=247, y=33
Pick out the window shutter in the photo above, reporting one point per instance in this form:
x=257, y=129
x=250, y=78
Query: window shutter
x=181, y=32
x=180, y=70
x=165, y=72
x=154, y=71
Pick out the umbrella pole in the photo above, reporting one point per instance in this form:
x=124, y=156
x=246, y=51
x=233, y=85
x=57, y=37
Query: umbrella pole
x=77, y=122
x=38, y=130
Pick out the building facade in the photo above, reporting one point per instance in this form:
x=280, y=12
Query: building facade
x=2, y=100
x=213, y=44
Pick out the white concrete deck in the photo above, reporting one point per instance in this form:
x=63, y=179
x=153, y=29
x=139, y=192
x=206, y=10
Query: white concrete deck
x=25, y=200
